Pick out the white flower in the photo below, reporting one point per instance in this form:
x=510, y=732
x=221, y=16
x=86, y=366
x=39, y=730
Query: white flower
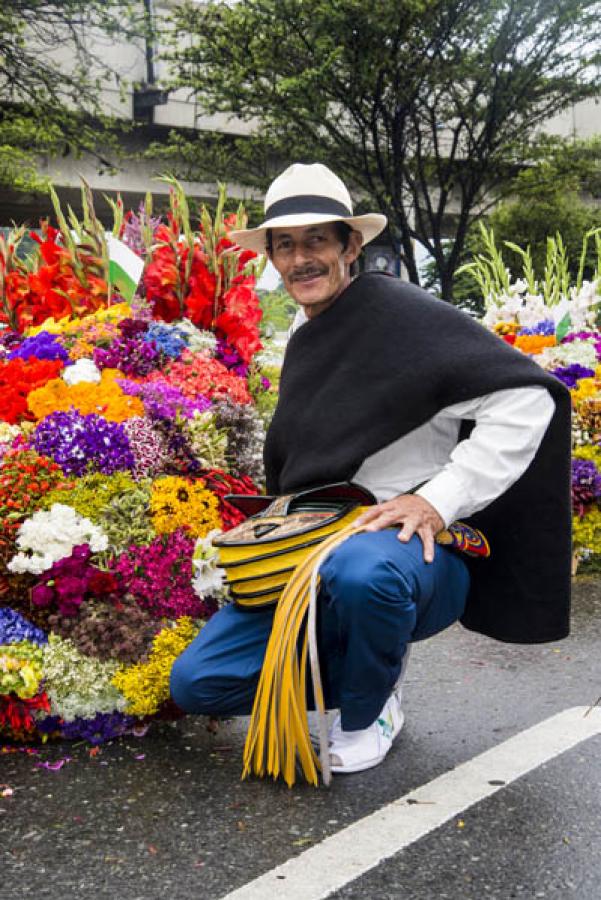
x=8, y=432
x=82, y=370
x=519, y=287
x=581, y=352
x=48, y=536
x=208, y=577
x=76, y=684
x=583, y=305
x=534, y=311
x=196, y=339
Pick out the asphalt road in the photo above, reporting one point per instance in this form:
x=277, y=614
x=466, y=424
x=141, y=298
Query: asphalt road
x=168, y=817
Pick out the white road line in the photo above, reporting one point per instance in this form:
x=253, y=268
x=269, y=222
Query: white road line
x=343, y=857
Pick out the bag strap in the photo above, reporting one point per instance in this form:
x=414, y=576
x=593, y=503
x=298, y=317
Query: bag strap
x=256, y=504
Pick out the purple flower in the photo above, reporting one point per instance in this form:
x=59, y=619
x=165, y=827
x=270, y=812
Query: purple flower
x=14, y=627
x=570, y=375
x=545, y=327
x=71, y=589
x=586, y=484
x=41, y=346
x=132, y=233
x=102, y=727
x=162, y=401
x=133, y=328
x=230, y=358
x=9, y=339
x=132, y=355
x=578, y=336
x=82, y=444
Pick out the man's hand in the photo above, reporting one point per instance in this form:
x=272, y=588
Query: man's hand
x=416, y=516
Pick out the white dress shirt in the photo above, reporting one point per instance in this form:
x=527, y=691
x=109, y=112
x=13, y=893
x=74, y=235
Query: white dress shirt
x=461, y=478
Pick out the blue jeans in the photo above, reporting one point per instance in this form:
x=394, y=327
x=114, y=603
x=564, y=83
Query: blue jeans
x=377, y=595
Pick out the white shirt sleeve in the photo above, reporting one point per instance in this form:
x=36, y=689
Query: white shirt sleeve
x=509, y=428
x=299, y=319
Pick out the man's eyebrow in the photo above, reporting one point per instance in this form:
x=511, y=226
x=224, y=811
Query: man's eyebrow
x=312, y=229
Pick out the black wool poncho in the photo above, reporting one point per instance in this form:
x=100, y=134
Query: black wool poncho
x=380, y=362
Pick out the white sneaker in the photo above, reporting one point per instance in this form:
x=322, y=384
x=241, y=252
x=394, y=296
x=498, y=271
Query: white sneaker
x=354, y=751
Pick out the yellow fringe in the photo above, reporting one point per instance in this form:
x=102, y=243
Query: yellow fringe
x=278, y=732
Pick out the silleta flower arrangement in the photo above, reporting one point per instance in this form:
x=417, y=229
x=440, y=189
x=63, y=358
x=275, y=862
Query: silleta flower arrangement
x=126, y=416
x=555, y=320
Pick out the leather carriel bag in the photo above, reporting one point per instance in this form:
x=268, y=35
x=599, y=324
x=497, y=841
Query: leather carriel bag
x=261, y=553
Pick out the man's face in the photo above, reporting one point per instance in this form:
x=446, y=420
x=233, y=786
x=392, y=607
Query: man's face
x=314, y=266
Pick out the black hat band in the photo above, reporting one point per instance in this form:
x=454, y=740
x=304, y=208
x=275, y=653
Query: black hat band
x=307, y=203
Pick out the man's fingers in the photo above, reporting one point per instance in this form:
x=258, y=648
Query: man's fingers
x=379, y=523
x=379, y=518
x=368, y=515
x=427, y=538
x=408, y=530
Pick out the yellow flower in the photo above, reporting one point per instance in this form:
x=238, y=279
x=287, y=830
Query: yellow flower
x=20, y=669
x=586, y=532
x=81, y=349
x=506, y=328
x=145, y=686
x=587, y=387
x=114, y=313
x=589, y=451
x=50, y=325
x=177, y=502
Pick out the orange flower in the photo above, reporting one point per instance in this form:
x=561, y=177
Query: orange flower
x=105, y=398
x=534, y=343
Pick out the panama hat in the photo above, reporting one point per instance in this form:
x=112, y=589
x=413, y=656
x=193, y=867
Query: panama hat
x=307, y=195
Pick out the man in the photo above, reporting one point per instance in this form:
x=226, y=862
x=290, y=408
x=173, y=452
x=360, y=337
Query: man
x=378, y=384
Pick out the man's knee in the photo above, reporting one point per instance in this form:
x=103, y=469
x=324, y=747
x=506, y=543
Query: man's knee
x=359, y=567
x=192, y=692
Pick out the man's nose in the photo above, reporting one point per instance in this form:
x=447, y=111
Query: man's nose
x=300, y=253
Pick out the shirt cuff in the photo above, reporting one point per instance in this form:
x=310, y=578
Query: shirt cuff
x=446, y=493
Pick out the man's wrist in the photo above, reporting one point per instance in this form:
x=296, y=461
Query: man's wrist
x=445, y=494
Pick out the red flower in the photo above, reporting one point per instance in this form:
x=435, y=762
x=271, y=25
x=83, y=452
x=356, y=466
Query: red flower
x=221, y=483
x=200, y=299
x=238, y=322
x=16, y=714
x=161, y=281
x=17, y=378
x=102, y=583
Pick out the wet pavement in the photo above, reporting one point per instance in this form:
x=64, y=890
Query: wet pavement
x=167, y=815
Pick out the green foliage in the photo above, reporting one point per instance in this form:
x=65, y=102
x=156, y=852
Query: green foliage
x=490, y=272
x=48, y=107
x=545, y=200
x=423, y=106
x=529, y=222
x=278, y=309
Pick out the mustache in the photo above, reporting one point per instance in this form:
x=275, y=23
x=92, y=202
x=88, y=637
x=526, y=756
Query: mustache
x=306, y=272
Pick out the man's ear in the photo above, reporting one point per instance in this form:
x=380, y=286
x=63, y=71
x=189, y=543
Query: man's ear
x=353, y=248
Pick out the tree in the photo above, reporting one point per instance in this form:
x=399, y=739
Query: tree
x=546, y=198
x=423, y=106
x=49, y=98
